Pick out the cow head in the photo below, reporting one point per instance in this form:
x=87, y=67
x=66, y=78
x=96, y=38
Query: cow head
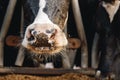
x=44, y=38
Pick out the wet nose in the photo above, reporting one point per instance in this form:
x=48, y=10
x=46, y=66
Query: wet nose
x=38, y=35
x=42, y=36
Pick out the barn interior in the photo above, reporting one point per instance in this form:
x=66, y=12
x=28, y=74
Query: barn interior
x=16, y=30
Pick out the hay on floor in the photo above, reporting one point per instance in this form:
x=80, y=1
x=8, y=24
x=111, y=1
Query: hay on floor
x=67, y=76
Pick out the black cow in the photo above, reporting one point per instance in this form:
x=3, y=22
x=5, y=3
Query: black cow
x=107, y=23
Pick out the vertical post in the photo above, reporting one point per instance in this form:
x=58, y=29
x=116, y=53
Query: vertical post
x=5, y=27
x=95, y=54
x=21, y=56
x=81, y=33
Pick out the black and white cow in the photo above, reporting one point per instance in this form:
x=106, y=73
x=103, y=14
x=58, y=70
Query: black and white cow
x=107, y=22
x=44, y=41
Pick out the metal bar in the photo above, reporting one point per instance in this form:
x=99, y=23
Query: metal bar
x=5, y=27
x=38, y=71
x=20, y=57
x=95, y=55
x=81, y=33
x=22, y=23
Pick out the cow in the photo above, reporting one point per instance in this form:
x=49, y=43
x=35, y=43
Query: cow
x=44, y=41
x=107, y=24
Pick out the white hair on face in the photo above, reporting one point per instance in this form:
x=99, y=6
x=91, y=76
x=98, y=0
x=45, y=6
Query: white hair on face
x=42, y=4
x=49, y=65
x=42, y=17
x=111, y=8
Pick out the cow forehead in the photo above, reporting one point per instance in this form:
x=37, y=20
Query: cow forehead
x=42, y=27
x=45, y=26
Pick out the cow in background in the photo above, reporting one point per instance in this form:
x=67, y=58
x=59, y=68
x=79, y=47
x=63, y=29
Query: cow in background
x=107, y=23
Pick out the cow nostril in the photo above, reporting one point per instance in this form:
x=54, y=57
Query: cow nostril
x=31, y=38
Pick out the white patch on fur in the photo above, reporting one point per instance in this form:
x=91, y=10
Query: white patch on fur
x=42, y=17
x=111, y=8
x=76, y=67
x=42, y=4
x=49, y=65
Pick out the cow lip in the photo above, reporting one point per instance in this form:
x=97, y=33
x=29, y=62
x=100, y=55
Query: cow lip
x=44, y=48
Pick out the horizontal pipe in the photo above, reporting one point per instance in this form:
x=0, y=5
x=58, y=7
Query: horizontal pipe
x=38, y=71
